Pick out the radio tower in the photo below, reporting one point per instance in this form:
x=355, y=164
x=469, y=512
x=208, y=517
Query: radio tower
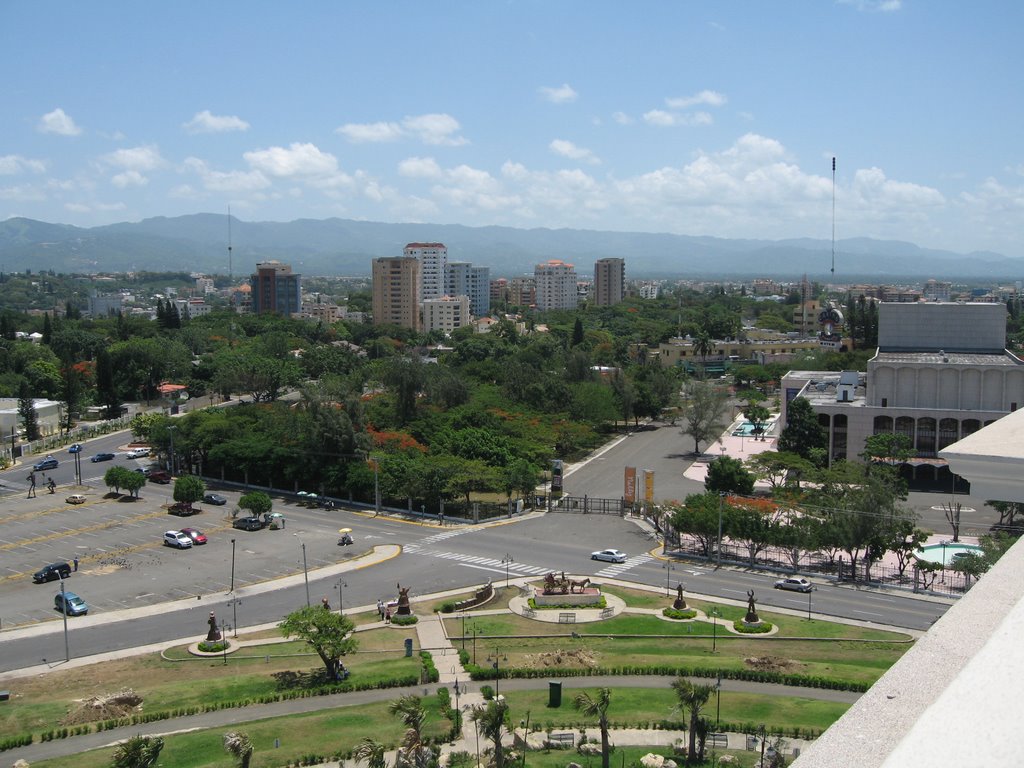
x=833, y=217
x=231, y=274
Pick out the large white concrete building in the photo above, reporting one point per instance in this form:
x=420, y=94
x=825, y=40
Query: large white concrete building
x=556, y=285
x=445, y=314
x=433, y=259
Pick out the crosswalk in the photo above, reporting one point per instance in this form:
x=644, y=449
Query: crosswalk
x=614, y=569
x=512, y=567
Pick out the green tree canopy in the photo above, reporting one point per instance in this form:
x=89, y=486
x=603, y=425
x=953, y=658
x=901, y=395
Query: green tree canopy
x=328, y=633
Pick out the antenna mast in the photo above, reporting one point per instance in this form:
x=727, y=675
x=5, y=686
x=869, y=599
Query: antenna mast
x=833, y=217
x=230, y=270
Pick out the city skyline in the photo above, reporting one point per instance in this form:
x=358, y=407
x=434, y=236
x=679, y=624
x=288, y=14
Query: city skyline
x=682, y=118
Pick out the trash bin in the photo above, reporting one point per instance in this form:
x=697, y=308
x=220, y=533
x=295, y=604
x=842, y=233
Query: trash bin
x=554, y=693
x=408, y=647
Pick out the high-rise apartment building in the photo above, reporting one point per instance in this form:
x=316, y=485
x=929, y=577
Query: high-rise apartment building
x=556, y=285
x=609, y=282
x=522, y=291
x=445, y=314
x=275, y=288
x=433, y=259
x=464, y=279
x=396, y=291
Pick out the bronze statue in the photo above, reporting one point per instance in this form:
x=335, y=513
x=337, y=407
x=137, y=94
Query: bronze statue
x=751, y=617
x=680, y=602
x=555, y=585
x=403, y=601
x=214, y=634
x=582, y=584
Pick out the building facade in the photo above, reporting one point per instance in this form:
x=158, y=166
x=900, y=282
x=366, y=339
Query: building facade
x=474, y=282
x=433, y=259
x=445, y=314
x=609, y=282
x=555, y=285
x=396, y=291
x=275, y=289
x=522, y=291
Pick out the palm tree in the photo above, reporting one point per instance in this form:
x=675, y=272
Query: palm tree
x=240, y=747
x=414, y=752
x=692, y=698
x=372, y=752
x=490, y=719
x=138, y=752
x=703, y=345
x=597, y=706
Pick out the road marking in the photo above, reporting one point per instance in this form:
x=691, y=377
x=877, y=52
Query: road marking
x=869, y=613
x=481, y=567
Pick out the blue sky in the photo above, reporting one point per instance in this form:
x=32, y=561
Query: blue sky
x=687, y=117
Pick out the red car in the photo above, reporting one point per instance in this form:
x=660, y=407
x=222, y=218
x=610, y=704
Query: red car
x=197, y=536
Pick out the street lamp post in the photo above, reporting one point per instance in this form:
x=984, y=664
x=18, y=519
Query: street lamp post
x=463, y=630
x=718, y=706
x=506, y=560
x=234, y=614
x=669, y=567
x=809, y=593
x=232, y=566
x=305, y=569
x=713, y=613
x=497, y=671
x=64, y=615
x=718, y=545
x=170, y=431
x=341, y=597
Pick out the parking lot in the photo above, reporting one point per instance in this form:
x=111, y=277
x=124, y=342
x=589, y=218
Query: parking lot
x=122, y=559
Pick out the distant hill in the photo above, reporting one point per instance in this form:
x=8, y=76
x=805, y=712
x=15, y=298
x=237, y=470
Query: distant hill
x=343, y=247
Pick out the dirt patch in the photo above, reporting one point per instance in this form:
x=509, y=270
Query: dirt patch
x=772, y=664
x=577, y=658
x=105, y=706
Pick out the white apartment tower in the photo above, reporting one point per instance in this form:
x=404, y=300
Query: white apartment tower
x=556, y=285
x=433, y=259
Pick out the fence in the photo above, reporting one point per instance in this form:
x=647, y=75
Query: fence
x=585, y=505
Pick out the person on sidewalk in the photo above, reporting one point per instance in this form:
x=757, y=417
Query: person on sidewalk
x=76, y=563
x=31, y=485
x=387, y=615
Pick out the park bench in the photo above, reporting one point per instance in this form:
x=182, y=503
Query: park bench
x=529, y=612
x=562, y=738
x=567, y=618
x=607, y=613
x=717, y=740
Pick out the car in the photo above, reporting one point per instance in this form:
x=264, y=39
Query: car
x=102, y=457
x=182, y=509
x=138, y=453
x=177, y=539
x=75, y=448
x=247, y=524
x=48, y=463
x=75, y=498
x=159, y=476
x=70, y=604
x=609, y=555
x=197, y=536
x=52, y=572
x=794, y=583
x=215, y=498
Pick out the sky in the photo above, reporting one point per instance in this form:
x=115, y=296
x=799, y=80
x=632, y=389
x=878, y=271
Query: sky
x=698, y=118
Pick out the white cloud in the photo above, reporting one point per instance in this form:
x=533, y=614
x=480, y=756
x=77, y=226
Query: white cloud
x=205, y=122
x=362, y=133
x=622, y=118
x=226, y=181
x=22, y=193
x=145, y=158
x=570, y=150
x=420, y=168
x=295, y=160
x=711, y=98
x=435, y=129
x=129, y=179
x=661, y=118
x=58, y=122
x=874, y=6
x=563, y=94
x=11, y=165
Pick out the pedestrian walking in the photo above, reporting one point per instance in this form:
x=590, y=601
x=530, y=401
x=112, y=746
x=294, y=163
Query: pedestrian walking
x=387, y=616
x=380, y=609
x=52, y=485
x=76, y=563
x=31, y=485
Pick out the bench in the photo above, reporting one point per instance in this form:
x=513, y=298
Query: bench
x=607, y=613
x=562, y=739
x=717, y=740
x=529, y=613
x=567, y=618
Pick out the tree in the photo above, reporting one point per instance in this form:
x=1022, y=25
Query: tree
x=758, y=416
x=490, y=718
x=239, y=746
x=597, y=706
x=373, y=752
x=703, y=345
x=189, y=489
x=692, y=698
x=27, y=412
x=952, y=512
x=803, y=435
x=703, y=412
x=699, y=517
x=728, y=475
x=117, y=477
x=133, y=482
x=888, y=448
x=414, y=752
x=256, y=503
x=138, y=752
x=329, y=634
x=1008, y=512
x=779, y=469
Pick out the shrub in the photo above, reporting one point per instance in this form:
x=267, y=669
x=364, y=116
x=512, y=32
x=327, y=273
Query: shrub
x=447, y=607
x=746, y=629
x=404, y=621
x=487, y=692
x=680, y=615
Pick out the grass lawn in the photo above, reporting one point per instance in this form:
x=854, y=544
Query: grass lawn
x=557, y=758
x=323, y=733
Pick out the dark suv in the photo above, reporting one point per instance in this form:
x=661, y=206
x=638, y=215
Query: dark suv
x=248, y=524
x=160, y=476
x=51, y=572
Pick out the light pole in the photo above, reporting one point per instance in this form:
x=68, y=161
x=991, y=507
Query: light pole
x=64, y=615
x=718, y=704
x=497, y=670
x=232, y=566
x=718, y=546
x=506, y=560
x=669, y=567
x=809, y=593
x=944, y=543
x=341, y=597
x=713, y=613
x=463, y=630
x=764, y=734
x=305, y=569
x=170, y=431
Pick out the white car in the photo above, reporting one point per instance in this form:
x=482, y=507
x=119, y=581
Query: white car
x=609, y=555
x=795, y=583
x=138, y=453
x=177, y=539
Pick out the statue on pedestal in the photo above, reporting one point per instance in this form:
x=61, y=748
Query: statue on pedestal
x=751, y=617
x=403, y=601
x=680, y=602
x=214, y=634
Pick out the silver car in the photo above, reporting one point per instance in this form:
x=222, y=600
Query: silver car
x=609, y=555
x=794, y=583
x=177, y=539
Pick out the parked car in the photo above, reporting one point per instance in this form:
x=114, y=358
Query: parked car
x=247, y=524
x=159, y=476
x=795, y=583
x=216, y=499
x=609, y=555
x=48, y=463
x=138, y=453
x=177, y=539
x=181, y=509
x=52, y=572
x=197, y=536
x=75, y=448
x=102, y=457
x=70, y=604
x=75, y=498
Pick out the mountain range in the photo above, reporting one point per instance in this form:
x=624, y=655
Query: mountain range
x=199, y=243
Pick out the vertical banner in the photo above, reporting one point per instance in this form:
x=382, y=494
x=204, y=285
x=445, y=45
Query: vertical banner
x=556, y=475
x=649, y=485
x=630, y=480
